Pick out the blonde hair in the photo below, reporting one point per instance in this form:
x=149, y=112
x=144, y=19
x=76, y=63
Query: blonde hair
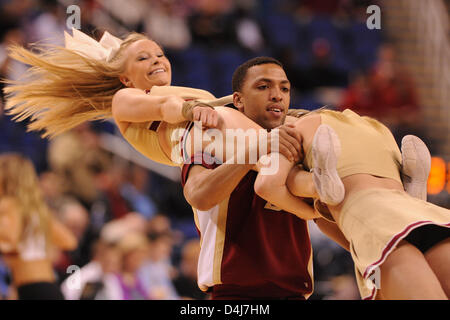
x=19, y=181
x=63, y=88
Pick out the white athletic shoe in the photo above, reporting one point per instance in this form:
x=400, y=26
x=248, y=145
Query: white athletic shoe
x=326, y=149
x=416, y=165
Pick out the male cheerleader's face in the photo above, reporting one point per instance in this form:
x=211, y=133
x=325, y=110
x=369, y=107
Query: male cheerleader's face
x=146, y=66
x=265, y=95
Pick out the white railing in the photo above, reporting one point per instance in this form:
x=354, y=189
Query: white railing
x=429, y=24
x=432, y=20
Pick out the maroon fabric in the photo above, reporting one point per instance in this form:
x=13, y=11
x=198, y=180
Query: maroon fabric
x=154, y=126
x=266, y=252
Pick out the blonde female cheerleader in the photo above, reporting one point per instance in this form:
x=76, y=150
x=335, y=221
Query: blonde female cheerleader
x=127, y=80
x=28, y=232
x=399, y=244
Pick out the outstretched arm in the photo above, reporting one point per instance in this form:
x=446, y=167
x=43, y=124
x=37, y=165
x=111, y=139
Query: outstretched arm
x=134, y=105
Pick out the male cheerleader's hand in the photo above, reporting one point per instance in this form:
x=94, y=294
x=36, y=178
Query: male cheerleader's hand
x=290, y=143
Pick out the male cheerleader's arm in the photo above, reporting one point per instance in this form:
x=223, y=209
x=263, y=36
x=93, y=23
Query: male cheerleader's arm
x=333, y=232
x=206, y=188
x=272, y=187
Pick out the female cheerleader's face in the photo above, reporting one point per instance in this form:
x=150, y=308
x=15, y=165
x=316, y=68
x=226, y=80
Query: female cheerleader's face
x=146, y=66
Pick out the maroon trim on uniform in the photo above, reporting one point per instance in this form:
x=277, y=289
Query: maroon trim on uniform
x=187, y=128
x=390, y=246
x=197, y=159
x=154, y=126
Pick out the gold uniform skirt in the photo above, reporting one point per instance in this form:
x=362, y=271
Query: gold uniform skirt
x=374, y=221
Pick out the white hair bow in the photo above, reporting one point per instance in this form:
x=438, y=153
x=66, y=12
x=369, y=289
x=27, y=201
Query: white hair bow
x=105, y=49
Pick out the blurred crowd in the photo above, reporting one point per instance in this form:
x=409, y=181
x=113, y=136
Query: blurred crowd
x=136, y=234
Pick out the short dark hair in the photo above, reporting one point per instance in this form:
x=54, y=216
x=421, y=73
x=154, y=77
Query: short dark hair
x=241, y=71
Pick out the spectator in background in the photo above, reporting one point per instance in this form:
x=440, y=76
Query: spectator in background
x=186, y=281
x=392, y=88
x=385, y=93
x=248, y=31
x=10, y=34
x=323, y=7
x=95, y=277
x=321, y=73
x=73, y=156
x=211, y=23
x=13, y=135
x=128, y=233
x=116, y=229
x=388, y=94
x=52, y=188
x=109, y=181
x=48, y=27
x=75, y=217
x=157, y=271
x=135, y=190
x=166, y=23
x=133, y=250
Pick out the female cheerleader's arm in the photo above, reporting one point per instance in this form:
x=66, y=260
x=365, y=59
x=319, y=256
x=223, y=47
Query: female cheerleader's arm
x=271, y=186
x=61, y=236
x=134, y=105
x=10, y=225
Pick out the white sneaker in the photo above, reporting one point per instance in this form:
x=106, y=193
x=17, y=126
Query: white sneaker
x=416, y=165
x=326, y=149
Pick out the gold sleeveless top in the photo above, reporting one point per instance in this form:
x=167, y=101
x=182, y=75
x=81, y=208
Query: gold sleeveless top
x=145, y=136
x=367, y=146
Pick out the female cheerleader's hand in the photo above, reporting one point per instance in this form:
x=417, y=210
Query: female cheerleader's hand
x=171, y=109
x=209, y=117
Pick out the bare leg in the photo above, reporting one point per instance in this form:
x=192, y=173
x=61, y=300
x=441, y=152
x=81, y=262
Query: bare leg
x=438, y=258
x=300, y=183
x=406, y=275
